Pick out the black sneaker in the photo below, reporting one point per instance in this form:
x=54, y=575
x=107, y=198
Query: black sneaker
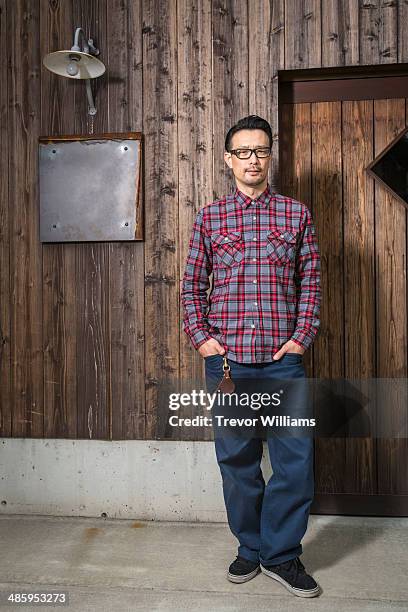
x=293, y=576
x=242, y=570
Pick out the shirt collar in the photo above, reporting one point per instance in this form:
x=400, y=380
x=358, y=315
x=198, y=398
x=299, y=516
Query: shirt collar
x=264, y=198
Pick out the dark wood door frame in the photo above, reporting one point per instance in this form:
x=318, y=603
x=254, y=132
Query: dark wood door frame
x=346, y=83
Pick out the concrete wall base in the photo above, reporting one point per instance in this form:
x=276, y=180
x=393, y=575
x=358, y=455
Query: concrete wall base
x=141, y=479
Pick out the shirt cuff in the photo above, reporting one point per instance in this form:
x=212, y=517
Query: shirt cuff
x=198, y=337
x=303, y=338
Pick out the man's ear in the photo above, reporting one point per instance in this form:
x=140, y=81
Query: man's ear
x=227, y=159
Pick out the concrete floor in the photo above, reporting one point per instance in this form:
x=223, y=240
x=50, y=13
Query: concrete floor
x=117, y=565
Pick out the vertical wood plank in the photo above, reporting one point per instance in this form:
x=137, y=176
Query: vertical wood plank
x=328, y=216
x=390, y=231
x=328, y=351
x=5, y=290
x=92, y=261
x=303, y=34
x=357, y=152
x=195, y=129
x=162, y=299
x=92, y=275
x=59, y=283
x=359, y=280
x=378, y=31
x=296, y=151
x=402, y=18
x=126, y=305
x=92, y=17
x=340, y=33
x=25, y=250
x=230, y=80
x=391, y=320
x=266, y=31
x=296, y=167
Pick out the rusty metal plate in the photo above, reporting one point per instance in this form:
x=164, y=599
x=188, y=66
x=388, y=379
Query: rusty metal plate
x=89, y=189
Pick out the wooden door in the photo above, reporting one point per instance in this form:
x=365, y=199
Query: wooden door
x=325, y=147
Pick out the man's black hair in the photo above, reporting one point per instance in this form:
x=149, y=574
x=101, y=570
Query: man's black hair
x=252, y=122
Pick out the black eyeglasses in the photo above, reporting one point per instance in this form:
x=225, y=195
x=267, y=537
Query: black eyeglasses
x=246, y=153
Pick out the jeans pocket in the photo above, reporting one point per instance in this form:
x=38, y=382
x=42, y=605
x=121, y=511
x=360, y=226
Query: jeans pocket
x=213, y=371
x=293, y=356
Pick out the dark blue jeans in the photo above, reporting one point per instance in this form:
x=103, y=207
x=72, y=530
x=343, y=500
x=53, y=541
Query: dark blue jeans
x=269, y=520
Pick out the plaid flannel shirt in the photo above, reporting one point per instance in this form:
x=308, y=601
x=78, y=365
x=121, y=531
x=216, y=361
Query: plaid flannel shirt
x=265, y=261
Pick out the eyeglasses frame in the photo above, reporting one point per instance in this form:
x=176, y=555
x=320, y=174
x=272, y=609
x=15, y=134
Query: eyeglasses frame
x=234, y=152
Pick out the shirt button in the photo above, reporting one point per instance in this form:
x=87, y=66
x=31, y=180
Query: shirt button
x=252, y=325
x=254, y=217
x=255, y=303
x=254, y=259
x=226, y=239
x=254, y=238
x=254, y=281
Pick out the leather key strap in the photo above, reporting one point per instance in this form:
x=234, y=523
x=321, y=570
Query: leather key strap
x=226, y=384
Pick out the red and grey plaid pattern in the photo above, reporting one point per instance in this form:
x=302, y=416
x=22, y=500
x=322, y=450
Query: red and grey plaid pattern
x=266, y=276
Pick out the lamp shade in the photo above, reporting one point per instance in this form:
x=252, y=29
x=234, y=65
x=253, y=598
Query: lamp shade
x=85, y=65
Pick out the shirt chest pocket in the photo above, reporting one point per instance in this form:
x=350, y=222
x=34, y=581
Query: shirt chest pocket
x=281, y=247
x=228, y=248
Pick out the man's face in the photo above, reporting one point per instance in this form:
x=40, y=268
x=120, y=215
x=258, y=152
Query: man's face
x=253, y=171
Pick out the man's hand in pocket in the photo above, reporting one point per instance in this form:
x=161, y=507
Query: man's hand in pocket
x=289, y=346
x=211, y=347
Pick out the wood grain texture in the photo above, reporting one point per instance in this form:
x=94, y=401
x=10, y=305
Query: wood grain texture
x=93, y=355
x=25, y=251
x=295, y=151
x=303, y=33
x=390, y=248
x=296, y=167
x=391, y=319
x=378, y=31
x=328, y=216
x=364, y=268
x=402, y=17
x=90, y=331
x=359, y=282
x=93, y=262
x=266, y=32
x=162, y=299
x=58, y=274
x=328, y=351
x=357, y=152
x=5, y=290
x=195, y=157
x=340, y=33
x=126, y=281
x=230, y=80
x=363, y=244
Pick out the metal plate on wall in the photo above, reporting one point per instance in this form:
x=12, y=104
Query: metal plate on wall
x=89, y=188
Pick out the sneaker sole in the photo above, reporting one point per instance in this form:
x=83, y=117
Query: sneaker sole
x=244, y=578
x=299, y=592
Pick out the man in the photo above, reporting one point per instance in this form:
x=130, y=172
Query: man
x=264, y=314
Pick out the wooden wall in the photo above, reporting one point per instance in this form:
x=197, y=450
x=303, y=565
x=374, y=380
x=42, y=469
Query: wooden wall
x=90, y=333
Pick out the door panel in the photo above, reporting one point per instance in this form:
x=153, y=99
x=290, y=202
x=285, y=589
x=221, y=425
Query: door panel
x=362, y=233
